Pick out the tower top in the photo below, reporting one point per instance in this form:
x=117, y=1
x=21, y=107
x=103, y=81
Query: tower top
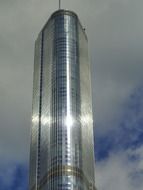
x=64, y=12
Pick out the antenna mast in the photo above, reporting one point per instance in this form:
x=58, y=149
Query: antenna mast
x=59, y=4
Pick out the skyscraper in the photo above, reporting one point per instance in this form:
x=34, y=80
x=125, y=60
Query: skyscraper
x=62, y=145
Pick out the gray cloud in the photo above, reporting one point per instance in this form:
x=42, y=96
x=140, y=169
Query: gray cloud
x=119, y=172
x=114, y=29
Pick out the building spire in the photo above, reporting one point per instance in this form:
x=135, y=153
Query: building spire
x=59, y=4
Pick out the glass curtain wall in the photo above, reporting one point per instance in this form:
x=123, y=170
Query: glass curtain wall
x=62, y=155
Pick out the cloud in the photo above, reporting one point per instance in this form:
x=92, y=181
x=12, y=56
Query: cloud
x=115, y=41
x=119, y=172
x=116, y=59
x=128, y=131
x=114, y=29
x=120, y=152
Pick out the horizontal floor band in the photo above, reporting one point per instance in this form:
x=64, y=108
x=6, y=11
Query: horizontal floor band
x=63, y=170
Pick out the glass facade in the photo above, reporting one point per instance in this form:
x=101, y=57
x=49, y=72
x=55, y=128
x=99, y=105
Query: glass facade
x=62, y=147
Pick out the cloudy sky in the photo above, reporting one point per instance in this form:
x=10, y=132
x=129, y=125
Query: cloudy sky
x=115, y=33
